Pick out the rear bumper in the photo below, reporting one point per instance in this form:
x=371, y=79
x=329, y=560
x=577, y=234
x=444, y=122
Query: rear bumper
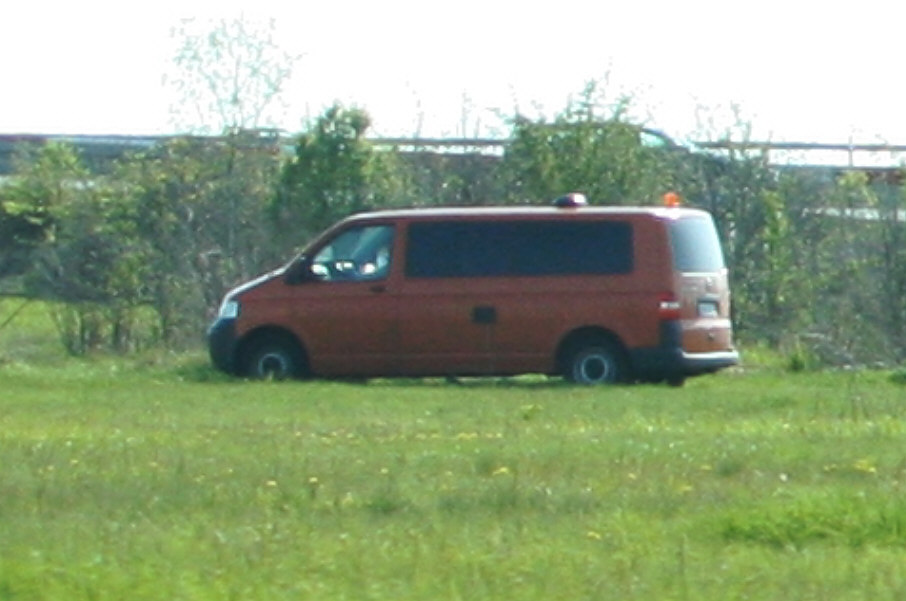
x=661, y=363
x=669, y=360
x=222, y=345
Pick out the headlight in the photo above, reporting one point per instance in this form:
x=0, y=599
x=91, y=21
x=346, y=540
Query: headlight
x=229, y=309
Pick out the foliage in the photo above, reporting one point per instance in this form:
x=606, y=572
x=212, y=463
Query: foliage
x=44, y=181
x=593, y=148
x=230, y=75
x=444, y=179
x=86, y=258
x=336, y=172
x=169, y=229
x=545, y=160
x=200, y=213
x=817, y=266
x=22, y=228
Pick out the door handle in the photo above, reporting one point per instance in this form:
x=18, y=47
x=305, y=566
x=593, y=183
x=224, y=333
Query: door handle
x=484, y=314
x=378, y=288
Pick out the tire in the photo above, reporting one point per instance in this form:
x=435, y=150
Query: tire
x=676, y=381
x=595, y=363
x=274, y=359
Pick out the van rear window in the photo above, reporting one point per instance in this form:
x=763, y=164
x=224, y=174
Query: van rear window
x=696, y=246
x=518, y=248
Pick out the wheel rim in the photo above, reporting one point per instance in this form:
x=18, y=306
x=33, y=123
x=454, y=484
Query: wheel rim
x=594, y=369
x=595, y=366
x=273, y=365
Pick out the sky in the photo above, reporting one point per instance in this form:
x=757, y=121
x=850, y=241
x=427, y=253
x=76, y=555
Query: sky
x=794, y=70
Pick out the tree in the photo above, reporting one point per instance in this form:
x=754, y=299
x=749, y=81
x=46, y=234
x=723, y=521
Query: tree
x=851, y=311
x=85, y=257
x=201, y=210
x=546, y=160
x=205, y=201
x=893, y=252
x=230, y=76
x=25, y=222
x=588, y=148
x=336, y=172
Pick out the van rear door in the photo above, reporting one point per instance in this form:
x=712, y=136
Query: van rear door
x=702, y=284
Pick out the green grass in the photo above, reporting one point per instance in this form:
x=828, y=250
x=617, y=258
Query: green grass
x=157, y=478
x=151, y=480
x=27, y=332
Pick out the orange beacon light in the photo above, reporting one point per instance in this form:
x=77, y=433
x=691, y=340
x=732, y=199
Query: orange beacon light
x=672, y=199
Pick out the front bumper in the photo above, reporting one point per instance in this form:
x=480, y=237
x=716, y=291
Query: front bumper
x=222, y=344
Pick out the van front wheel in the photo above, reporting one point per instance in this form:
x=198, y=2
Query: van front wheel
x=596, y=364
x=274, y=359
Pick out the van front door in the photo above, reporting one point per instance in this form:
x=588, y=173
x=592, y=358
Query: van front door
x=346, y=310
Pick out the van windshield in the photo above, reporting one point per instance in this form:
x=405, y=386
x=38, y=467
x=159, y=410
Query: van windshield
x=696, y=247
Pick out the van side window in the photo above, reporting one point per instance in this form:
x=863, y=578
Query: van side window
x=358, y=253
x=518, y=248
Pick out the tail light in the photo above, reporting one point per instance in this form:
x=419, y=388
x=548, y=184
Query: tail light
x=669, y=307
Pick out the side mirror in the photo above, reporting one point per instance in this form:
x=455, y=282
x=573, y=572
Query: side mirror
x=298, y=271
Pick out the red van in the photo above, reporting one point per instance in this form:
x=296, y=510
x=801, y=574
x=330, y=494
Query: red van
x=595, y=294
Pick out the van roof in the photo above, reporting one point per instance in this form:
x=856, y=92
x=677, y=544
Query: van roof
x=431, y=213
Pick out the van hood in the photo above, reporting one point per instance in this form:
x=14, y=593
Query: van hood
x=259, y=281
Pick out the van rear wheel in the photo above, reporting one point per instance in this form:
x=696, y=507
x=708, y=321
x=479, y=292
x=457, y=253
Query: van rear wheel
x=597, y=363
x=274, y=359
x=676, y=381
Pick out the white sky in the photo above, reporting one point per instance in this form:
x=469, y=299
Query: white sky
x=799, y=70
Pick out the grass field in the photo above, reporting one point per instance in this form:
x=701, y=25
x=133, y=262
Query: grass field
x=156, y=478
